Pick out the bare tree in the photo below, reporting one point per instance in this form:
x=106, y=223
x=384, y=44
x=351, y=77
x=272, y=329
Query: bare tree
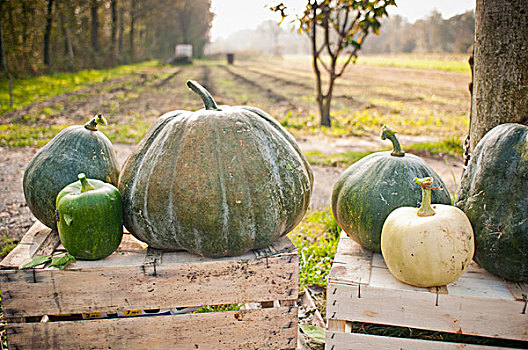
x=337, y=29
x=47, y=34
x=3, y=60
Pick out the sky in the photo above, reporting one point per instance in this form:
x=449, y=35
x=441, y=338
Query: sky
x=235, y=15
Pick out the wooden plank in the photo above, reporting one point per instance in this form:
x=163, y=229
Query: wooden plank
x=37, y=240
x=417, y=309
x=345, y=341
x=244, y=329
x=519, y=290
x=126, y=284
x=130, y=243
x=352, y=262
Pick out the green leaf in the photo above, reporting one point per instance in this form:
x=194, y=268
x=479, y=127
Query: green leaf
x=62, y=261
x=35, y=261
x=68, y=219
x=316, y=333
x=289, y=167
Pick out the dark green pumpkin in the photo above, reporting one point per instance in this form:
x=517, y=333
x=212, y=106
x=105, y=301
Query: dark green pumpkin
x=74, y=150
x=494, y=195
x=90, y=214
x=370, y=189
x=216, y=182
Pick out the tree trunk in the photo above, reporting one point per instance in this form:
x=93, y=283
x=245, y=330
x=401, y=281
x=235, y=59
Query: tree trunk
x=68, y=48
x=3, y=60
x=47, y=34
x=95, y=25
x=500, y=88
x=113, y=6
x=131, y=37
x=121, y=30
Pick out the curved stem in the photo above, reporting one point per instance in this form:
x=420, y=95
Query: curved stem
x=97, y=119
x=206, y=97
x=85, y=185
x=388, y=133
x=425, y=208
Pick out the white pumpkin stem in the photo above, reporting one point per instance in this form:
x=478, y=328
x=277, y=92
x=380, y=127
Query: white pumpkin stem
x=425, y=208
x=98, y=119
x=85, y=185
x=207, y=99
x=389, y=133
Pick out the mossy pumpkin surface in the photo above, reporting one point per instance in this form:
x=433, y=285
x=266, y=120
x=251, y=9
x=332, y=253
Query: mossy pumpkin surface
x=216, y=182
x=494, y=195
x=74, y=150
x=370, y=189
x=90, y=218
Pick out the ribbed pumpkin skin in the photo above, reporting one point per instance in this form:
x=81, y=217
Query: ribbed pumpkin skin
x=74, y=150
x=370, y=189
x=215, y=182
x=494, y=196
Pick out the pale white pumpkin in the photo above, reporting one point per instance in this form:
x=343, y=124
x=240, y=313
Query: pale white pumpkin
x=429, y=246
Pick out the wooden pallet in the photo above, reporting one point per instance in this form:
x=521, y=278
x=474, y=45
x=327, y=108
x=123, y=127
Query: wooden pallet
x=361, y=289
x=139, y=278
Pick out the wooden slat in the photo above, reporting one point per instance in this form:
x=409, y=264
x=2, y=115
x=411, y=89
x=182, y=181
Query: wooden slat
x=38, y=240
x=519, y=290
x=417, y=309
x=122, y=282
x=352, y=262
x=350, y=341
x=245, y=329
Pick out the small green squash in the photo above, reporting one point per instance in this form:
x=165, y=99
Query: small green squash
x=370, y=189
x=90, y=218
x=216, y=182
x=494, y=195
x=430, y=246
x=75, y=149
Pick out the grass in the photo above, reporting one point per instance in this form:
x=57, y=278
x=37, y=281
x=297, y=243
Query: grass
x=34, y=89
x=455, y=63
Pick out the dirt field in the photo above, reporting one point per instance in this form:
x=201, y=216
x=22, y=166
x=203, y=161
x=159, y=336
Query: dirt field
x=424, y=105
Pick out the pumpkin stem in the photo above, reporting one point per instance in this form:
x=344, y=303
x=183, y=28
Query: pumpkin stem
x=388, y=133
x=426, y=184
x=85, y=185
x=97, y=119
x=207, y=99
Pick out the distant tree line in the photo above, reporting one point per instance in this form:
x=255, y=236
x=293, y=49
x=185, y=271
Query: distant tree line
x=40, y=36
x=432, y=34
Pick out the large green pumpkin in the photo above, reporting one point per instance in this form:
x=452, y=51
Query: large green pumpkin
x=370, y=189
x=215, y=182
x=76, y=149
x=494, y=196
x=90, y=218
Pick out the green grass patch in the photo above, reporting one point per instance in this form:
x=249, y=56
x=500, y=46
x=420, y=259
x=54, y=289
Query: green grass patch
x=217, y=308
x=6, y=245
x=34, y=89
x=451, y=146
x=447, y=63
x=339, y=160
x=19, y=135
x=316, y=239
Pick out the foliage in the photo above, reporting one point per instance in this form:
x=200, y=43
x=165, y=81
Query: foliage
x=7, y=244
x=59, y=260
x=316, y=239
x=339, y=28
x=95, y=34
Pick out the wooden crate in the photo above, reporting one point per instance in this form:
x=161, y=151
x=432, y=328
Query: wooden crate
x=139, y=278
x=361, y=289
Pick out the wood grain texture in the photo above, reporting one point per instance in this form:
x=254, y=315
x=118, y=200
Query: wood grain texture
x=478, y=303
x=39, y=239
x=350, y=341
x=274, y=328
x=352, y=262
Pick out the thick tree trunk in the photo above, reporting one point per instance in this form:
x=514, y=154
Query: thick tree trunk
x=95, y=25
x=47, y=34
x=500, y=88
x=121, y=30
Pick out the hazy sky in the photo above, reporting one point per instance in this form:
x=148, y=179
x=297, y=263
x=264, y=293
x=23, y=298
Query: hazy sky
x=234, y=15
